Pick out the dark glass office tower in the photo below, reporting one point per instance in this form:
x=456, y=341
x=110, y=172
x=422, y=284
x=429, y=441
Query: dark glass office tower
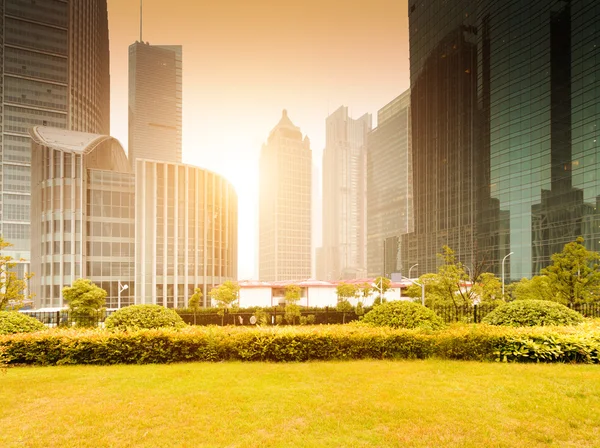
x=505, y=121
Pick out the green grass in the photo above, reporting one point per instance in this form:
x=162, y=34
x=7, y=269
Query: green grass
x=334, y=404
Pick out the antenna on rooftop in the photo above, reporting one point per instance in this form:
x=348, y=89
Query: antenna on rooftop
x=141, y=19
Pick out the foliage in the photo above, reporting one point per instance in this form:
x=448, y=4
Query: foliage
x=137, y=317
x=346, y=291
x=285, y=344
x=487, y=288
x=523, y=313
x=292, y=309
x=574, y=275
x=262, y=318
x=194, y=302
x=365, y=291
x=226, y=296
x=402, y=314
x=14, y=322
x=360, y=309
x=86, y=301
x=536, y=288
x=12, y=288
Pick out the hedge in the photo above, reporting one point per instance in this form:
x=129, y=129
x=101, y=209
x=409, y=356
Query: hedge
x=524, y=313
x=285, y=344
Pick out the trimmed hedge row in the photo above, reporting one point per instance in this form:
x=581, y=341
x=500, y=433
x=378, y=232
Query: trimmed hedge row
x=482, y=343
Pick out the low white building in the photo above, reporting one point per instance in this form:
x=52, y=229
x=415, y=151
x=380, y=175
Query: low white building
x=314, y=293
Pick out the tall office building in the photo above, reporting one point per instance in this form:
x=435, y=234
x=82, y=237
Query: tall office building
x=285, y=204
x=54, y=71
x=155, y=102
x=505, y=130
x=344, y=197
x=389, y=186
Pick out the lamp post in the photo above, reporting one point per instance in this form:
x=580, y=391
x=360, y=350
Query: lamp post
x=410, y=269
x=503, y=260
x=121, y=288
x=379, y=288
x=422, y=285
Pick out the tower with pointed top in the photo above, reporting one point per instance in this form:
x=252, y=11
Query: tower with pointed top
x=285, y=204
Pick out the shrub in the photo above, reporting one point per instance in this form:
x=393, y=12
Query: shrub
x=293, y=344
x=137, y=317
x=402, y=314
x=13, y=322
x=530, y=313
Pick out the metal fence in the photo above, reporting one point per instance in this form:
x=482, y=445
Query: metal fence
x=276, y=316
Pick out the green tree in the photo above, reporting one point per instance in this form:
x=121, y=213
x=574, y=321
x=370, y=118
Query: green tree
x=487, y=288
x=574, y=276
x=194, y=302
x=382, y=284
x=292, y=297
x=536, y=288
x=226, y=297
x=365, y=291
x=12, y=288
x=86, y=301
x=345, y=293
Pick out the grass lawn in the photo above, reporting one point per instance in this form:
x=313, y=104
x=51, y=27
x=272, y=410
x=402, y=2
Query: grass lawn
x=330, y=404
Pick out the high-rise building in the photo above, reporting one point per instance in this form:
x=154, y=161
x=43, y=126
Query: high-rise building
x=344, y=197
x=163, y=232
x=186, y=232
x=54, y=71
x=155, y=102
x=389, y=186
x=505, y=131
x=285, y=204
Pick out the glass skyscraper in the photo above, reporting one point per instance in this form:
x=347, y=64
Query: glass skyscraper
x=54, y=71
x=505, y=130
x=155, y=102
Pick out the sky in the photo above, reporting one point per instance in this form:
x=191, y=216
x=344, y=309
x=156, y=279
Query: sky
x=244, y=61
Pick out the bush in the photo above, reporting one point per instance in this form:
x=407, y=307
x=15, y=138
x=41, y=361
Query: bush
x=137, y=317
x=293, y=344
x=531, y=313
x=402, y=314
x=12, y=322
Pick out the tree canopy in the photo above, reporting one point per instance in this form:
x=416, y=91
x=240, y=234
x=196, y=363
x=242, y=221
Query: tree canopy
x=12, y=288
x=85, y=300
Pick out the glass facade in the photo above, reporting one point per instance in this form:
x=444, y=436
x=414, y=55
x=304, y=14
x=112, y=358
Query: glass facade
x=344, y=197
x=155, y=102
x=186, y=232
x=389, y=186
x=54, y=71
x=505, y=121
x=285, y=204
x=81, y=214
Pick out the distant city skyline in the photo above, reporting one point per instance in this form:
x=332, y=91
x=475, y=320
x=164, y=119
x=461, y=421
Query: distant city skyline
x=246, y=61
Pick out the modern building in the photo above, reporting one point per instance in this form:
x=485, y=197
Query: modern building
x=345, y=196
x=162, y=233
x=82, y=215
x=54, y=71
x=186, y=232
x=505, y=131
x=155, y=102
x=285, y=204
x=389, y=186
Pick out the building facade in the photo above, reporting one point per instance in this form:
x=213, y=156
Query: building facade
x=155, y=102
x=285, y=204
x=505, y=129
x=82, y=215
x=344, y=196
x=389, y=186
x=54, y=71
x=186, y=232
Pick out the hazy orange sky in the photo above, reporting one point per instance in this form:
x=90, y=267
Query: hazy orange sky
x=246, y=60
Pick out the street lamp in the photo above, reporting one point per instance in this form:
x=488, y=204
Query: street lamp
x=422, y=285
x=469, y=270
x=503, y=260
x=379, y=288
x=414, y=265
x=121, y=289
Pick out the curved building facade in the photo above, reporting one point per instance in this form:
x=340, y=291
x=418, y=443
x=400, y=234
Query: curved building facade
x=54, y=71
x=186, y=232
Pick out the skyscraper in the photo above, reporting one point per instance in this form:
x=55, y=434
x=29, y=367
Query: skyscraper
x=155, y=102
x=54, y=71
x=505, y=131
x=344, y=197
x=285, y=204
x=389, y=186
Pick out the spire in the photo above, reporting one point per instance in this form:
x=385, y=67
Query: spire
x=141, y=19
